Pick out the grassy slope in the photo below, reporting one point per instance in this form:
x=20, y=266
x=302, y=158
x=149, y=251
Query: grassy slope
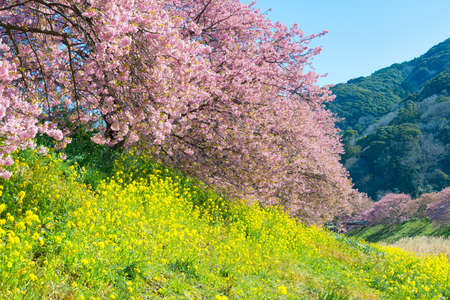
x=395, y=232
x=148, y=232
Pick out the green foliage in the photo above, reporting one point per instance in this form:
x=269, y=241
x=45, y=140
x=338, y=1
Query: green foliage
x=396, y=156
x=402, y=133
x=407, y=114
x=400, y=157
x=97, y=160
x=370, y=98
x=390, y=154
x=438, y=85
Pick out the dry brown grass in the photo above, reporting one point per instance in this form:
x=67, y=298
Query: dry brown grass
x=425, y=245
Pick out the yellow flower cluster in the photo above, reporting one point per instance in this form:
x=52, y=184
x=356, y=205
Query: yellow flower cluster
x=148, y=232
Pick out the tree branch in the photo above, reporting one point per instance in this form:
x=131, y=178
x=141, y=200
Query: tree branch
x=34, y=30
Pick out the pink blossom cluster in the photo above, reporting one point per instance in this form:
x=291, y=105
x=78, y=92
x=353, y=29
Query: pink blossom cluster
x=19, y=113
x=211, y=87
x=17, y=116
x=389, y=209
x=439, y=210
x=398, y=208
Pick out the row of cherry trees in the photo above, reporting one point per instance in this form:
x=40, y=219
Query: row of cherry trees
x=211, y=87
x=398, y=208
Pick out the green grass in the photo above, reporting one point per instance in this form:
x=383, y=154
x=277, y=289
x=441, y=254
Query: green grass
x=394, y=232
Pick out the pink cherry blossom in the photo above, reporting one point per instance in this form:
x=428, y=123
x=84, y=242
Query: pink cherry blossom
x=210, y=87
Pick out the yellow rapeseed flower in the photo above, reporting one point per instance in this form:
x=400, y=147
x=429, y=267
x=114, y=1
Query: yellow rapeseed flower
x=32, y=277
x=20, y=197
x=10, y=217
x=282, y=290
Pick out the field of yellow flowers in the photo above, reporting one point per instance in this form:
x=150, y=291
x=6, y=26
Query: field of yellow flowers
x=147, y=232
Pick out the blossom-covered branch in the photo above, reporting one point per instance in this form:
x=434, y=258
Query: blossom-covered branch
x=211, y=87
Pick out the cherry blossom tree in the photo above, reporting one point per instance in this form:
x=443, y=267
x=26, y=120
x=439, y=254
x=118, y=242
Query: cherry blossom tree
x=439, y=210
x=211, y=87
x=388, y=210
x=398, y=208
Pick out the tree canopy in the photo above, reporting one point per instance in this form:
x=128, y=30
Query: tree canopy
x=211, y=87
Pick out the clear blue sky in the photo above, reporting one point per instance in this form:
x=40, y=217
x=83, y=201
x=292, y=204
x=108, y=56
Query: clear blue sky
x=364, y=35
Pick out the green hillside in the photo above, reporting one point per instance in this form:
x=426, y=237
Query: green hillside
x=147, y=232
x=397, y=126
x=362, y=101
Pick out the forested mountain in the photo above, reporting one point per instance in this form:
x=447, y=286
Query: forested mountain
x=363, y=100
x=396, y=126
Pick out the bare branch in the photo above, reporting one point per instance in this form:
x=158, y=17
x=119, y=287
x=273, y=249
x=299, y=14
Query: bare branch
x=34, y=30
